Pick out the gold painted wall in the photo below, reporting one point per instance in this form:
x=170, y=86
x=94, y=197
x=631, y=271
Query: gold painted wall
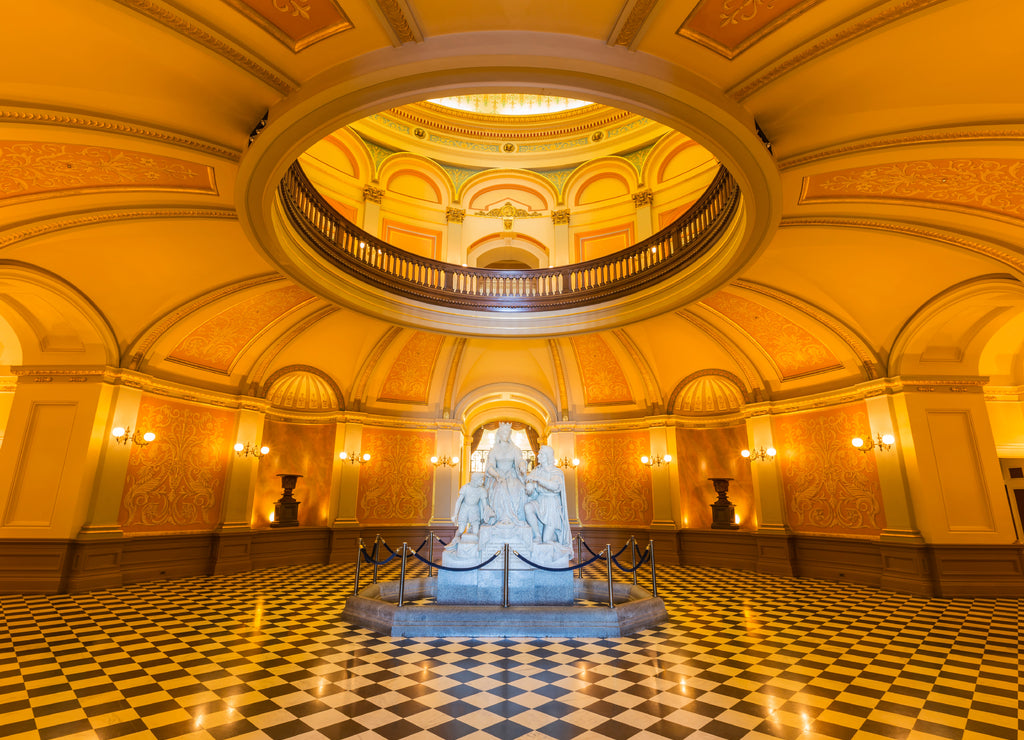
x=614, y=486
x=829, y=485
x=306, y=449
x=176, y=483
x=707, y=453
x=397, y=485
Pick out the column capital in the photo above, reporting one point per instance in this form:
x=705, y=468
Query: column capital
x=643, y=198
x=455, y=215
x=373, y=194
x=560, y=217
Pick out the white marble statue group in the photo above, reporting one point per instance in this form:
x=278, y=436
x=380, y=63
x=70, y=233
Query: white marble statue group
x=506, y=497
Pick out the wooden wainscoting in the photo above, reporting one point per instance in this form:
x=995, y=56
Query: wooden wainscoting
x=33, y=566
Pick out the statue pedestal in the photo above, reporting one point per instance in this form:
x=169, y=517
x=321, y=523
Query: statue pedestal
x=526, y=585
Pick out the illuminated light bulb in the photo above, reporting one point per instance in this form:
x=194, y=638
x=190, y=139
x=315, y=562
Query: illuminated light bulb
x=857, y=442
x=737, y=518
x=455, y=461
x=343, y=455
x=117, y=431
x=264, y=450
x=575, y=461
x=745, y=453
x=366, y=457
x=434, y=459
x=362, y=245
x=149, y=436
x=771, y=452
x=239, y=446
x=271, y=516
x=645, y=460
x=668, y=458
x=888, y=439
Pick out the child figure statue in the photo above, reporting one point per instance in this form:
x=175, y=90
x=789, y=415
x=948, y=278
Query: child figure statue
x=471, y=509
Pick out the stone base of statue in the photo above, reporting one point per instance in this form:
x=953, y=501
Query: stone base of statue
x=526, y=584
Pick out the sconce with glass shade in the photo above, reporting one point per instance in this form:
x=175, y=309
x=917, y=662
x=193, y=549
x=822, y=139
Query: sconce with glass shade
x=882, y=442
x=124, y=436
x=355, y=457
x=250, y=450
x=565, y=462
x=444, y=461
x=766, y=454
x=655, y=461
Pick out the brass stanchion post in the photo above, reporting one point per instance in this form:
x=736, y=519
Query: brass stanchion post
x=359, y=559
x=401, y=576
x=632, y=548
x=611, y=592
x=504, y=588
x=654, y=571
x=430, y=555
x=376, y=550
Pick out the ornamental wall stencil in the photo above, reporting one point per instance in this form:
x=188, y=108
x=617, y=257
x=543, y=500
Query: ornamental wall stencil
x=396, y=487
x=34, y=169
x=408, y=380
x=604, y=382
x=614, y=487
x=730, y=26
x=829, y=485
x=991, y=185
x=296, y=23
x=176, y=483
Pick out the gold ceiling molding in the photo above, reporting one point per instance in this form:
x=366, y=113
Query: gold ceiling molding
x=878, y=16
x=1006, y=254
x=25, y=230
x=370, y=365
x=265, y=359
x=968, y=134
x=507, y=128
x=39, y=169
x=69, y=119
x=190, y=29
x=631, y=19
x=1009, y=393
x=860, y=347
x=708, y=392
x=398, y=21
x=640, y=362
x=297, y=23
x=453, y=369
x=730, y=27
x=139, y=348
x=303, y=388
x=990, y=185
x=753, y=377
x=563, y=396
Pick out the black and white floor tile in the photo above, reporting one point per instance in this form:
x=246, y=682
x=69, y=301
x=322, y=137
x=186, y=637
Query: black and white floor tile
x=266, y=655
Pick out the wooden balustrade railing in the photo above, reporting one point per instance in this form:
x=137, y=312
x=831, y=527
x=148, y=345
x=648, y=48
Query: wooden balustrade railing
x=374, y=261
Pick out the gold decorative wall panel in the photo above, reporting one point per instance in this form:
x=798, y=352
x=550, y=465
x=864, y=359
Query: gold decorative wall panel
x=217, y=343
x=409, y=378
x=713, y=453
x=990, y=185
x=41, y=462
x=614, y=486
x=730, y=26
x=37, y=168
x=176, y=483
x=396, y=486
x=602, y=376
x=829, y=485
x=793, y=349
x=296, y=23
x=306, y=449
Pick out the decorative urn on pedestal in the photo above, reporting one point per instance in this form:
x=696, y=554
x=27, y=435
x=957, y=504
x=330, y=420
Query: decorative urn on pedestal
x=723, y=512
x=286, y=510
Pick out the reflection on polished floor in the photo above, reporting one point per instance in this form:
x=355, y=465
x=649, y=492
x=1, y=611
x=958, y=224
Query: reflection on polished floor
x=744, y=655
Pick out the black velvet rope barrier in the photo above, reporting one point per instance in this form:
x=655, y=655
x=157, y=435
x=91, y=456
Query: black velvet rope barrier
x=555, y=570
x=369, y=559
x=596, y=555
x=440, y=540
x=635, y=568
x=449, y=567
x=421, y=546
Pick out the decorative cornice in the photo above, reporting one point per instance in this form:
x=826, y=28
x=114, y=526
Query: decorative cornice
x=454, y=215
x=631, y=19
x=431, y=116
x=1004, y=393
x=29, y=230
x=841, y=34
x=854, y=341
x=398, y=22
x=934, y=136
x=137, y=350
x=75, y=119
x=216, y=43
x=373, y=194
x=643, y=198
x=1007, y=255
x=560, y=217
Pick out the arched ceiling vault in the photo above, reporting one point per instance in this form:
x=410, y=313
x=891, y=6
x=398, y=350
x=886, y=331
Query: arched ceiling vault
x=896, y=153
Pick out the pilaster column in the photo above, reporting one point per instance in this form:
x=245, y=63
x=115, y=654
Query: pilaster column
x=644, y=224
x=769, y=498
x=372, y=197
x=564, y=445
x=241, y=479
x=454, y=250
x=665, y=480
x=446, y=479
x=899, y=514
x=345, y=480
x=561, y=250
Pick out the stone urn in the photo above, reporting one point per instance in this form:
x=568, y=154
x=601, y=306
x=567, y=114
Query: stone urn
x=723, y=512
x=286, y=510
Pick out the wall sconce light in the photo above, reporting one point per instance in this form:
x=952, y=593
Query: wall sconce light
x=761, y=454
x=250, y=450
x=565, y=462
x=355, y=457
x=883, y=442
x=125, y=436
x=444, y=461
x=657, y=461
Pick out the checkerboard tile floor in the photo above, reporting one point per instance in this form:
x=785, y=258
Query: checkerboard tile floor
x=744, y=655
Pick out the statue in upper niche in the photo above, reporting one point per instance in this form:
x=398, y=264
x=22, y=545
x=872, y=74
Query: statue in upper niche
x=506, y=474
